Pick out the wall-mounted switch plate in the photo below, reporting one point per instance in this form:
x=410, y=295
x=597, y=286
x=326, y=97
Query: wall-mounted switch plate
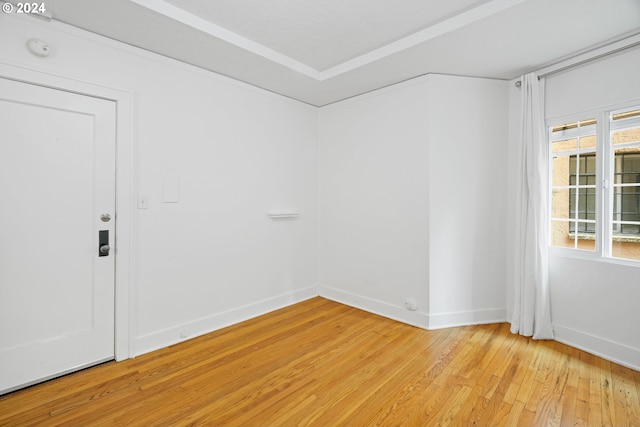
x=143, y=202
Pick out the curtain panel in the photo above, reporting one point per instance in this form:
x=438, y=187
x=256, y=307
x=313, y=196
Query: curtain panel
x=532, y=307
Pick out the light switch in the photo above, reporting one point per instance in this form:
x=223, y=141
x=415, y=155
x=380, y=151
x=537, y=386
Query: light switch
x=143, y=202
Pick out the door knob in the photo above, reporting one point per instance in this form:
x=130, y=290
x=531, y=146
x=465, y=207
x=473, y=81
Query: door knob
x=104, y=249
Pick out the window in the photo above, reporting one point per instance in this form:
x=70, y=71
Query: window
x=625, y=216
x=582, y=169
x=573, y=185
x=595, y=185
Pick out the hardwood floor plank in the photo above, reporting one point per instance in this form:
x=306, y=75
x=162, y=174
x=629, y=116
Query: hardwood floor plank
x=527, y=382
x=501, y=416
x=445, y=414
x=489, y=411
x=527, y=418
x=549, y=408
x=582, y=390
x=626, y=400
x=568, y=417
x=513, y=419
x=471, y=409
x=511, y=393
x=606, y=389
x=320, y=363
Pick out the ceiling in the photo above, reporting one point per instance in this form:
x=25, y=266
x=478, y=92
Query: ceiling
x=323, y=51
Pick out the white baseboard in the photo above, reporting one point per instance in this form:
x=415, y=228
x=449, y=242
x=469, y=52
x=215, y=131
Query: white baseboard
x=164, y=338
x=401, y=314
x=609, y=350
x=465, y=318
x=415, y=318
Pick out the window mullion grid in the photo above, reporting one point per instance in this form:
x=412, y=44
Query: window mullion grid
x=617, y=221
x=580, y=152
x=576, y=211
x=606, y=189
x=616, y=192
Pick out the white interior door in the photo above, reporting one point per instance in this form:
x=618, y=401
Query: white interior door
x=57, y=178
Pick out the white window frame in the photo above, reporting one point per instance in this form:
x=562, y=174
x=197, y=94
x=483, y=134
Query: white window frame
x=605, y=158
x=612, y=127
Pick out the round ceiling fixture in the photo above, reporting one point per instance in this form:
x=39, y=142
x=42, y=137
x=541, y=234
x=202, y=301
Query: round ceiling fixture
x=38, y=47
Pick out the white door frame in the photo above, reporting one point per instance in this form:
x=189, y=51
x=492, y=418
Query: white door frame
x=124, y=185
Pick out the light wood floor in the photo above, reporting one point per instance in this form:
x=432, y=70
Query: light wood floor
x=319, y=363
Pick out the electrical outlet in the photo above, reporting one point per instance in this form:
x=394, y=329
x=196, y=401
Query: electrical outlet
x=411, y=304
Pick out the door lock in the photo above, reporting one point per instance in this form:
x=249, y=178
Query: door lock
x=103, y=243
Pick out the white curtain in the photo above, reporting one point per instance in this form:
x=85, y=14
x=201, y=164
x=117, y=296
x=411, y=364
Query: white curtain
x=531, y=308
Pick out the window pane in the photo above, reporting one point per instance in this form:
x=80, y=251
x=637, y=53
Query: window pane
x=585, y=235
x=588, y=142
x=587, y=179
x=630, y=178
x=626, y=189
x=626, y=115
x=565, y=145
x=586, y=203
x=625, y=205
x=587, y=244
x=590, y=165
x=563, y=234
x=560, y=202
x=626, y=250
x=626, y=199
x=628, y=163
x=560, y=170
x=560, y=235
x=626, y=135
x=626, y=246
x=627, y=230
x=629, y=204
x=573, y=125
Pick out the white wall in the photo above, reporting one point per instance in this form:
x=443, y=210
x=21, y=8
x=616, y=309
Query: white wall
x=213, y=258
x=467, y=204
x=606, y=82
x=373, y=156
x=412, y=200
x=594, y=303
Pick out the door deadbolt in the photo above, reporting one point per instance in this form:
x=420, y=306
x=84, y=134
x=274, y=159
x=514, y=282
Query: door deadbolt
x=105, y=217
x=103, y=243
